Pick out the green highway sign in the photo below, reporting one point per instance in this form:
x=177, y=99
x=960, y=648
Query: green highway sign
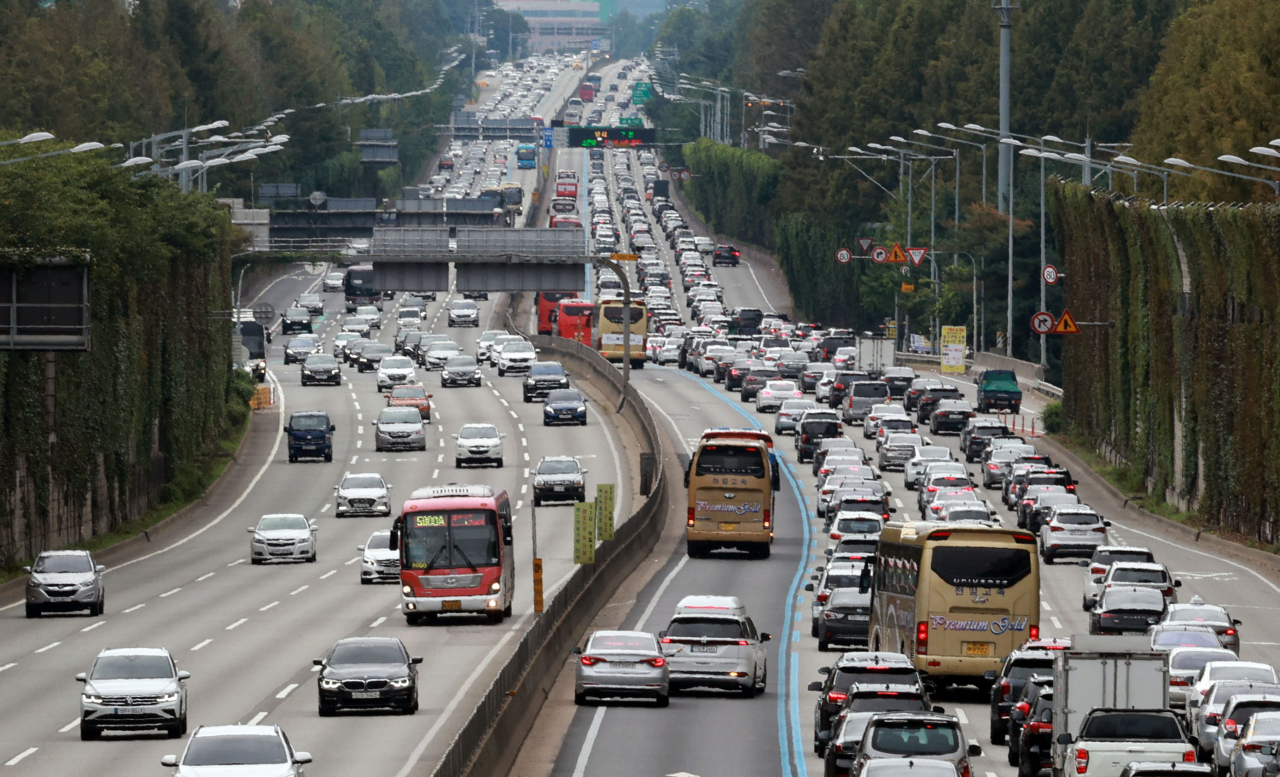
x=629, y=121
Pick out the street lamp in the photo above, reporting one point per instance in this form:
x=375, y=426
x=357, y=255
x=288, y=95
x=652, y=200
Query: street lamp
x=1008, y=335
x=983, y=146
x=1176, y=162
x=34, y=137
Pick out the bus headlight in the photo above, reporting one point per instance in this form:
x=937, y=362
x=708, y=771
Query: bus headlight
x=406, y=590
x=495, y=586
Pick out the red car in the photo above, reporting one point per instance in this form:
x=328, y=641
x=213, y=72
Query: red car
x=411, y=396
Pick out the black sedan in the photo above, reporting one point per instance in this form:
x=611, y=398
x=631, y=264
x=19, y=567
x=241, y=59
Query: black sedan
x=368, y=673
x=1126, y=608
x=564, y=406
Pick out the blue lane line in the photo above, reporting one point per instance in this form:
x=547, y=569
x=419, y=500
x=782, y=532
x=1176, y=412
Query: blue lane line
x=793, y=597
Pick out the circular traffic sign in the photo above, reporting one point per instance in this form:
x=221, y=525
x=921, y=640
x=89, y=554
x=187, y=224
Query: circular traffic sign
x=844, y=256
x=264, y=313
x=879, y=255
x=1050, y=274
x=684, y=175
x=663, y=167
x=1042, y=323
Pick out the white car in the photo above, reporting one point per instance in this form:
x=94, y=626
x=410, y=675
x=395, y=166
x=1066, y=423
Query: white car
x=379, y=563
x=146, y=679
x=712, y=643
x=333, y=281
x=438, y=353
x=238, y=751
x=463, y=312
x=925, y=455
x=478, y=444
x=774, y=393
x=853, y=524
x=499, y=343
x=364, y=493
x=1103, y=557
x=516, y=357
x=877, y=412
x=487, y=339
x=282, y=537
x=396, y=371
x=371, y=314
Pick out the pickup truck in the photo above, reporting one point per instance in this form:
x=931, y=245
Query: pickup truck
x=1110, y=739
x=998, y=390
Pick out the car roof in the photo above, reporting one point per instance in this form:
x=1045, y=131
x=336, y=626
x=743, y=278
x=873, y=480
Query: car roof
x=64, y=553
x=860, y=658
x=699, y=604
x=134, y=651
x=284, y=515
x=369, y=641
x=309, y=413
x=237, y=730
x=1143, y=565
x=362, y=475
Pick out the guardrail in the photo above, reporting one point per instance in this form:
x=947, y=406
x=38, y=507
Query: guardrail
x=1028, y=373
x=491, y=738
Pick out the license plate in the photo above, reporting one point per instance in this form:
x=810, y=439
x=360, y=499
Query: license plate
x=704, y=649
x=623, y=664
x=977, y=648
x=364, y=694
x=130, y=711
x=859, y=617
x=451, y=604
x=308, y=447
x=558, y=488
x=728, y=527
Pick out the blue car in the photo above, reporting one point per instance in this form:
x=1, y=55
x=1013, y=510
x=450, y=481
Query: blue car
x=564, y=406
x=310, y=435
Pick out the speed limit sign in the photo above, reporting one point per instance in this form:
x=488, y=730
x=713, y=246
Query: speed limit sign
x=1050, y=274
x=1042, y=323
x=663, y=167
x=684, y=175
x=879, y=255
x=844, y=256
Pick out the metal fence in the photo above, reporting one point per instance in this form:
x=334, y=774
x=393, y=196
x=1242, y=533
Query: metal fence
x=491, y=738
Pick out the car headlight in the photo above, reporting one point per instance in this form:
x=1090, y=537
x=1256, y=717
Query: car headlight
x=401, y=682
x=166, y=698
x=548, y=409
x=330, y=685
x=33, y=583
x=478, y=374
x=259, y=538
x=91, y=698
x=306, y=371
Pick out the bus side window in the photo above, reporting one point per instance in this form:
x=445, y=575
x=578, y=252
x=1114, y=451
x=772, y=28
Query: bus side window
x=687, y=469
x=394, y=542
x=775, y=479
x=504, y=518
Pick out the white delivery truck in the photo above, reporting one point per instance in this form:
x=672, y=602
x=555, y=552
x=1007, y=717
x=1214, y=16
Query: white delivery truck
x=875, y=355
x=1111, y=707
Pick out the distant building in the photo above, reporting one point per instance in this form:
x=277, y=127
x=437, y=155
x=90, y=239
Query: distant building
x=556, y=24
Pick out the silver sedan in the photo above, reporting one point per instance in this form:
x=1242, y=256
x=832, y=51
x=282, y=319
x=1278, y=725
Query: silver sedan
x=626, y=664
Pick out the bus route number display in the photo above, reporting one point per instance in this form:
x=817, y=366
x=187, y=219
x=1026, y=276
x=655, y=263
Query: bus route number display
x=610, y=137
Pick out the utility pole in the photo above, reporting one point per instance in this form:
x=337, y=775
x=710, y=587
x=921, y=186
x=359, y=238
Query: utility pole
x=1008, y=335
x=1005, y=8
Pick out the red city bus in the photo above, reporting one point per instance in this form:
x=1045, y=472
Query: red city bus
x=455, y=553
x=587, y=92
x=573, y=320
x=567, y=189
x=547, y=314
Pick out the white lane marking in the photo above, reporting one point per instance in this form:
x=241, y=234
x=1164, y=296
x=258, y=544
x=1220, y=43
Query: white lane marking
x=352, y=561
x=513, y=414
x=69, y=726
x=662, y=588
x=329, y=574
x=266, y=607
x=520, y=427
x=359, y=416
x=960, y=716
x=237, y=623
x=495, y=393
x=519, y=503
x=584, y=755
x=526, y=455
x=1180, y=546
x=524, y=488
x=315, y=669
x=7, y=666
x=897, y=502
x=92, y=626
x=675, y=428
x=441, y=442
x=359, y=443
x=297, y=591
x=435, y=473
x=325, y=509
x=1056, y=623
x=526, y=472
x=1045, y=605
x=439, y=458
x=201, y=645
x=378, y=622
x=134, y=608
x=353, y=395
x=354, y=459
x=256, y=719
x=169, y=593
x=763, y=296
x=357, y=406
x=14, y=761
x=284, y=692
x=49, y=646
x=524, y=441
x=205, y=576
x=505, y=403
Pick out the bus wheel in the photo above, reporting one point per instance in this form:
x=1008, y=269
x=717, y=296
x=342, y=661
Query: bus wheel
x=494, y=616
x=695, y=549
x=762, y=552
x=506, y=611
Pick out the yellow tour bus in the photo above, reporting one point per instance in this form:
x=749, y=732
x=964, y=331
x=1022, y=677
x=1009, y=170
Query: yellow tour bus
x=957, y=599
x=732, y=478
x=609, y=325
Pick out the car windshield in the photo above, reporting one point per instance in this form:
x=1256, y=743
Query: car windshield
x=1077, y=519
x=297, y=313
x=463, y=305
x=517, y=348
x=1242, y=672
x=310, y=423
x=1111, y=556
x=1180, y=638
x=235, y=750
x=623, y=642
x=409, y=392
x=1123, y=575
x=886, y=701
x=858, y=525
x=546, y=369
x=318, y=360
x=377, y=349
x=915, y=738
x=299, y=343
x=280, y=522
x=460, y=362
x=711, y=628
x=399, y=415
x=397, y=363
x=442, y=347
x=379, y=541
x=131, y=667
x=367, y=653
x=1194, y=660
x=1025, y=669
x=60, y=563
x=558, y=467
x=1131, y=726
x=1196, y=614
x=361, y=481
x=1133, y=599
x=477, y=433
x=564, y=395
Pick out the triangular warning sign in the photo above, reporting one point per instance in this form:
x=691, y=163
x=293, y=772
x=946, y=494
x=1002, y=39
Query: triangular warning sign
x=864, y=245
x=896, y=255
x=917, y=255
x=1066, y=325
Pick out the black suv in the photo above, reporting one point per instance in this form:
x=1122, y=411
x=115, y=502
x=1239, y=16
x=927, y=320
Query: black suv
x=755, y=381
x=729, y=255
x=1035, y=743
x=844, y=381
x=295, y=320
x=1006, y=685
x=974, y=438
x=930, y=399
x=543, y=378
x=1031, y=690
x=950, y=415
x=849, y=672
x=737, y=372
x=811, y=431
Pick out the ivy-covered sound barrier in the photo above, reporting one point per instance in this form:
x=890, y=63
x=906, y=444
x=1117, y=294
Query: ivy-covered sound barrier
x=154, y=391
x=1185, y=388
x=732, y=189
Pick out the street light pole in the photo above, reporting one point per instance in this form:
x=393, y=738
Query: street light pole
x=1005, y=195
x=1007, y=143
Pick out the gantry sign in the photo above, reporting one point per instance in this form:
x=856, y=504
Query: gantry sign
x=484, y=259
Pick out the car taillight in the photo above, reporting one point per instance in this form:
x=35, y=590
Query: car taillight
x=1071, y=487
x=830, y=615
x=804, y=438
x=835, y=535
x=1100, y=529
x=1005, y=689
x=922, y=638
x=835, y=697
x=992, y=467
x=1040, y=728
x=691, y=516
x=1189, y=756
x=1098, y=570
x=1082, y=760
x=822, y=597
x=839, y=385
x=655, y=662
x=964, y=768
x=1056, y=528
x=932, y=489
x=1178, y=681
x=1033, y=631
x=1167, y=592
x=591, y=660
x=1230, y=632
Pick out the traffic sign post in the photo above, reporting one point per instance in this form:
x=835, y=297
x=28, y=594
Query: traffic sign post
x=684, y=175
x=917, y=255
x=844, y=256
x=879, y=255
x=1066, y=325
x=1042, y=323
x=663, y=167
x=1050, y=274
x=897, y=255
x=864, y=245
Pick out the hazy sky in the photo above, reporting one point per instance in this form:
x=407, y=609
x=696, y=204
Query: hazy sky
x=642, y=8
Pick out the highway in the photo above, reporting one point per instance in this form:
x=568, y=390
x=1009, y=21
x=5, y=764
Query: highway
x=710, y=733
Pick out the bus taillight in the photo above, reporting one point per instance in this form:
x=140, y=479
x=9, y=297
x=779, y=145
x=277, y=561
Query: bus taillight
x=767, y=520
x=691, y=516
x=922, y=638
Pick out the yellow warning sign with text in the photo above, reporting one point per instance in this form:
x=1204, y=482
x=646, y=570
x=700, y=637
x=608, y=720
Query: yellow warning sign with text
x=953, y=342
x=604, y=511
x=584, y=533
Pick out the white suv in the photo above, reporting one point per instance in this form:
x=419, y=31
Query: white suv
x=516, y=357
x=362, y=494
x=711, y=643
x=133, y=688
x=282, y=537
x=238, y=750
x=478, y=444
x=463, y=312
x=396, y=371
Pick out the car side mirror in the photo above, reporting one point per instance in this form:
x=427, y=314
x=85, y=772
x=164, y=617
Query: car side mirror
x=576, y=651
x=1064, y=739
x=1177, y=583
x=415, y=659
x=824, y=736
x=1107, y=524
x=893, y=509
x=808, y=587
x=251, y=530
x=82, y=677
x=288, y=427
x=1084, y=562
x=824, y=670
x=454, y=436
x=333, y=428
x=169, y=760
x=939, y=709
x=184, y=675
x=765, y=636
x=100, y=568
x=27, y=570
x=302, y=757
x=989, y=675
x=1235, y=623
x=975, y=750
x=502, y=434
x=686, y=477
x=815, y=686
x=317, y=662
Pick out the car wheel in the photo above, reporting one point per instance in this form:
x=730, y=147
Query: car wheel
x=494, y=617
x=89, y=732
x=813, y=629
x=749, y=692
x=580, y=699
x=176, y=730
x=326, y=712
x=365, y=581
x=1085, y=605
x=822, y=645
x=457, y=463
x=998, y=731
x=1013, y=754
x=499, y=464
x=501, y=372
x=537, y=502
x=255, y=561
x=293, y=459
x=93, y=610
x=311, y=559
x=328, y=456
x=33, y=611
x=663, y=700
x=506, y=611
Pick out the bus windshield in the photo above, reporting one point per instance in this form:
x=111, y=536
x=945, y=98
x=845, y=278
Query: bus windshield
x=730, y=460
x=359, y=282
x=979, y=566
x=613, y=314
x=450, y=539
x=526, y=153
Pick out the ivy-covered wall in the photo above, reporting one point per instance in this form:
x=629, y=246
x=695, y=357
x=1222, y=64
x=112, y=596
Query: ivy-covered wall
x=1186, y=386
x=154, y=390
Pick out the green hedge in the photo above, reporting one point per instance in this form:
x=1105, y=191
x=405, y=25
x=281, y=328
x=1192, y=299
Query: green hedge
x=732, y=189
x=155, y=389
x=1186, y=387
